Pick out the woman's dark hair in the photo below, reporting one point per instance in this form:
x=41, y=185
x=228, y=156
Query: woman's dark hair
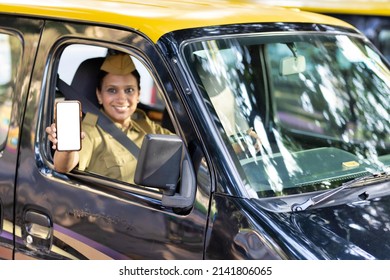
x=103, y=73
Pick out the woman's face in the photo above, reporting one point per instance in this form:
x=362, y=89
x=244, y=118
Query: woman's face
x=119, y=97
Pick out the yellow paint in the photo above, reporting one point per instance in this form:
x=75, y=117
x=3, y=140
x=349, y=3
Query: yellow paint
x=156, y=18
x=356, y=7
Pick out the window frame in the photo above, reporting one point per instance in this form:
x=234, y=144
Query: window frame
x=49, y=101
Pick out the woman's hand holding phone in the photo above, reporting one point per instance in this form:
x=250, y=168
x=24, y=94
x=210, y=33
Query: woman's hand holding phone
x=66, y=134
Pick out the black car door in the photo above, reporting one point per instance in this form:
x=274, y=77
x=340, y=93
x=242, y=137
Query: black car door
x=80, y=216
x=18, y=46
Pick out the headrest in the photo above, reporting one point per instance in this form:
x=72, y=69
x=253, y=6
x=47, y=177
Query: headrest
x=85, y=79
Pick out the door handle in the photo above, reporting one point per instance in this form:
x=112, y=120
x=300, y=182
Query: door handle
x=37, y=230
x=37, y=224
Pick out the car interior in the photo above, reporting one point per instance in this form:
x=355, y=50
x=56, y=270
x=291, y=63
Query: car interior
x=85, y=81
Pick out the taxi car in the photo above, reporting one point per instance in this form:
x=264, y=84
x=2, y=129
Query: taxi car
x=281, y=145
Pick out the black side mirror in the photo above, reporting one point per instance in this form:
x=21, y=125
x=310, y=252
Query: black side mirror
x=163, y=163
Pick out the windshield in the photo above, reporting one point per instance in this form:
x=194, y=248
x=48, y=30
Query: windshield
x=298, y=112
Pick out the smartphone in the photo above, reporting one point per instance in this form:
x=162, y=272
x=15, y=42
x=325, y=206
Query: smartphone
x=68, y=124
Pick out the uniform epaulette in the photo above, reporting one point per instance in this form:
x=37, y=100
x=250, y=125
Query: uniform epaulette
x=139, y=115
x=90, y=119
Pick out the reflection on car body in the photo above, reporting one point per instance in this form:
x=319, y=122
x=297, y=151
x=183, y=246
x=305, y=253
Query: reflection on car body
x=281, y=145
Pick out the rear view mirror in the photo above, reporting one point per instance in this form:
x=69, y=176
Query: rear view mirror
x=292, y=65
x=159, y=162
x=163, y=163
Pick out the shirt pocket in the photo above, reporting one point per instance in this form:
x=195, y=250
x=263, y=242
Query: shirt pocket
x=119, y=167
x=114, y=161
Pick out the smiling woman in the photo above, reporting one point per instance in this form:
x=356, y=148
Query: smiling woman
x=118, y=90
x=118, y=94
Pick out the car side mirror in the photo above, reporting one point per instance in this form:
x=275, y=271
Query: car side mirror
x=164, y=163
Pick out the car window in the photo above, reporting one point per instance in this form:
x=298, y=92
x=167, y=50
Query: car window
x=78, y=67
x=307, y=104
x=320, y=114
x=10, y=57
x=73, y=55
x=376, y=28
x=384, y=41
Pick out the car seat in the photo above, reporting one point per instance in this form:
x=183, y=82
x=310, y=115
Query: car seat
x=85, y=79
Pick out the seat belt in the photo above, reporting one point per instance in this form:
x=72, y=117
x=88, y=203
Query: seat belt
x=103, y=121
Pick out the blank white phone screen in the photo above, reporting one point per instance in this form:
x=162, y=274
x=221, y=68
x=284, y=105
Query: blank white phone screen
x=68, y=121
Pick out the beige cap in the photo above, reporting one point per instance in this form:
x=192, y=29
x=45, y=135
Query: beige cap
x=118, y=64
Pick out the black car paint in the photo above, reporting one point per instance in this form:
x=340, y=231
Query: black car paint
x=352, y=231
x=28, y=31
x=119, y=223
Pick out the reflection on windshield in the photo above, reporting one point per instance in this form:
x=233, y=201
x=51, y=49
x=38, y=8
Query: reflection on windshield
x=318, y=104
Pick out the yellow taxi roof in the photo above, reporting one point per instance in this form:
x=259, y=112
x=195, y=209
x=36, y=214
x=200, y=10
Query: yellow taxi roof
x=156, y=18
x=362, y=7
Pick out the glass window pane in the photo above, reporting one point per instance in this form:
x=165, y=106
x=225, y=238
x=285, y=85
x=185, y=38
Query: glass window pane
x=10, y=57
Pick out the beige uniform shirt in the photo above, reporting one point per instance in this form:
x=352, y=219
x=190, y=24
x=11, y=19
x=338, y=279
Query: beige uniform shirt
x=103, y=155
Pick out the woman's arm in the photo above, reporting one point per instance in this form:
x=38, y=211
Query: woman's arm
x=64, y=161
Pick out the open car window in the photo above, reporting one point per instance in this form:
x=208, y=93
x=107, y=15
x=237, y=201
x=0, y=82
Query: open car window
x=75, y=54
x=78, y=67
